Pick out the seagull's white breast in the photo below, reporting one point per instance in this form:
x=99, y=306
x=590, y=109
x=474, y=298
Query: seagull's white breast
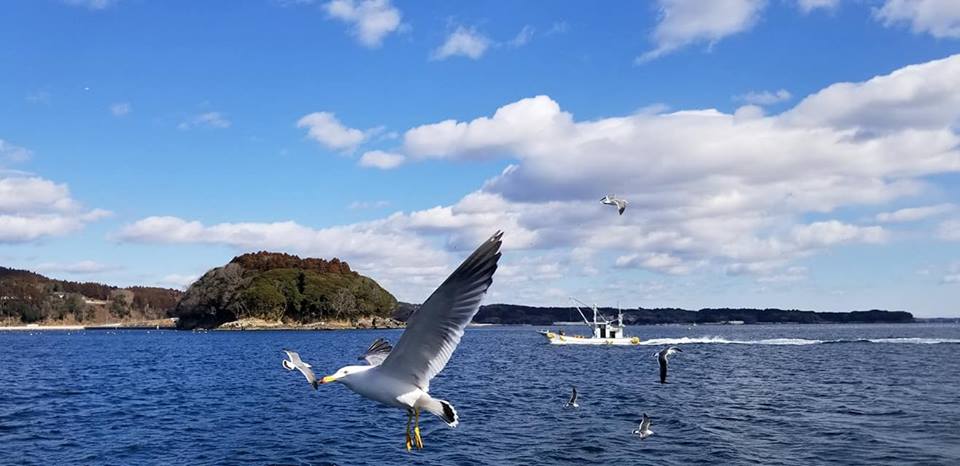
x=383, y=388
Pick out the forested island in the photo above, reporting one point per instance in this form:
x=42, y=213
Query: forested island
x=268, y=288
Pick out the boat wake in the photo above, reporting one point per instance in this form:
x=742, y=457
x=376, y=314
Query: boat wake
x=791, y=341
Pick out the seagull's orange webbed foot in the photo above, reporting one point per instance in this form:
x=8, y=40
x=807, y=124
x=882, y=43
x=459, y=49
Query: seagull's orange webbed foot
x=409, y=440
x=416, y=429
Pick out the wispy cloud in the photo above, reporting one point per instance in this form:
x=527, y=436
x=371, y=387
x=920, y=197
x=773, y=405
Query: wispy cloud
x=92, y=4
x=463, y=42
x=358, y=205
x=939, y=18
x=75, y=268
x=522, y=38
x=382, y=160
x=205, y=120
x=807, y=6
x=120, y=109
x=11, y=153
x=913, y=214
x=764, y=97
x=39, y=97
x=685, y=22
x=177, y=280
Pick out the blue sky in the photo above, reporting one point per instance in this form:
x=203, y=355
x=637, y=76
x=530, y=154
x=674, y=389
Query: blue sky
x=783, y=153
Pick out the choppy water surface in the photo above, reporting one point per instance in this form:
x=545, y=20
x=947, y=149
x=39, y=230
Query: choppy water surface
x=870, y=394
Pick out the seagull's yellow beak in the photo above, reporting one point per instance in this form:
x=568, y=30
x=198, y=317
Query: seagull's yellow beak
x=328, y=379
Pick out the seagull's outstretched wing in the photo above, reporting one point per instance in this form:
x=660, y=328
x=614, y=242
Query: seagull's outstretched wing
x=621, y=206
x=294, y=358
x=434, y=330
x=573, y=397
x=377, y=352
x=645, y=423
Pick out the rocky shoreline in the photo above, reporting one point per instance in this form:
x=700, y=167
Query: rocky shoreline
x=261, y=324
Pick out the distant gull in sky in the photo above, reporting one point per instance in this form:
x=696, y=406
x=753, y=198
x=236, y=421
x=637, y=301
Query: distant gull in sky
x=296, y=363
x=643, y=430
x=662, y=358
x=613, y=200
x=573, y=399
x=401, y=377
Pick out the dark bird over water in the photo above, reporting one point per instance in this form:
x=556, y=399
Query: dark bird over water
x=662, y=358
x=573, y=399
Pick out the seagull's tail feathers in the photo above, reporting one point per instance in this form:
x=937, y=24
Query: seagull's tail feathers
x=440, y=408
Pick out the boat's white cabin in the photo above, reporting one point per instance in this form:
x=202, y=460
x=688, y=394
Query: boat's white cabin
x=607, y=330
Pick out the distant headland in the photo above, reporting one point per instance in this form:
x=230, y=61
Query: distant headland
x=516, y=314
x=268, y=290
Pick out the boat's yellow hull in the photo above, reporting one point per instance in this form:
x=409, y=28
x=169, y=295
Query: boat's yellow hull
x=557, y=339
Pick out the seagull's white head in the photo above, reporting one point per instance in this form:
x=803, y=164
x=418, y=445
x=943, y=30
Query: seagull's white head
x=344, y=372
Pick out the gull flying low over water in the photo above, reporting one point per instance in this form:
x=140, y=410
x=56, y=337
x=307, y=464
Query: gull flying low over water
x=401, y=377
x=662, y=356
x=573, y=399
x=612, y=200
x=296, y=363
x=643, y=430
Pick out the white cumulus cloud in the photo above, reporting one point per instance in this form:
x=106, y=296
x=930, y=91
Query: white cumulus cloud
x=325, y=128
x=32, y=208
x=371, y=20
x=709, y=191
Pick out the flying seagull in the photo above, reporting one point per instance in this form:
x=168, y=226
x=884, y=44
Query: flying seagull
x=401, y=377
x=662, y=356
x=612, y=200
x=643, y=430
x=296, y=363
x=573, y=399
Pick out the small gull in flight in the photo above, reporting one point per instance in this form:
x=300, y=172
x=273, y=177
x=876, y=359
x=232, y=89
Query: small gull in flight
x=643, y=430
x=401, y=377
x=296, y=363
x=612, y=200
x=573, y=399
x=662, y=356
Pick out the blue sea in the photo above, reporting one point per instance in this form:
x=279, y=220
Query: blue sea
x=751, y=394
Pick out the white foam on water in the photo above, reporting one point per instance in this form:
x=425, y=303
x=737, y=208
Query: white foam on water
x=916, y=341
x=787, y=341
x=724, y=341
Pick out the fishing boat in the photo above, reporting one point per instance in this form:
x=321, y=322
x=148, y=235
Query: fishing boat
x=603, y=331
